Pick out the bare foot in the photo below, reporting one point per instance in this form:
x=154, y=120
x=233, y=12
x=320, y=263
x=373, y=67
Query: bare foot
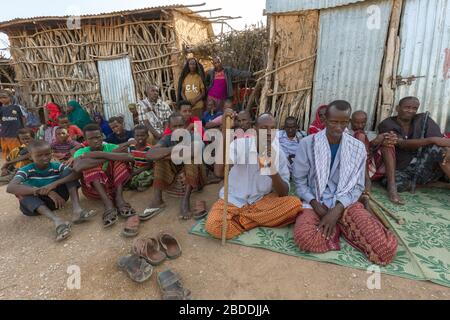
x=395, y=198
x=185, y=210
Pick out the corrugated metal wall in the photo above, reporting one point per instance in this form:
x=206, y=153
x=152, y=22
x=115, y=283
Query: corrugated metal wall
x=117, y=88
x=279, y=6
x=350, y=56
x=425, y=51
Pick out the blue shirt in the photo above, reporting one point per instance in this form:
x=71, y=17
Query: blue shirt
x=114, y=139
x=334, y=149
x=208, y=116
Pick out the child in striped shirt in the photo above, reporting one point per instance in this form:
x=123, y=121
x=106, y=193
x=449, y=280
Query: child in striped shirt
x=142, y=176
x=44, y=186
x=63, y=147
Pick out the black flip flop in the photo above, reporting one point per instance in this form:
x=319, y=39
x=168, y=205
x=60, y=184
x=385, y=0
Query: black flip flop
x=63, y=231
x=110, y=217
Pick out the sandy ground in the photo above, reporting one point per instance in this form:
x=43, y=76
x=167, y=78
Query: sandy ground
x=34, y=266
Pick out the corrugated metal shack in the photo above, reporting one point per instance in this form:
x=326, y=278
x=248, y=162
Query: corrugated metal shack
x=104, y=60
x=369, y=52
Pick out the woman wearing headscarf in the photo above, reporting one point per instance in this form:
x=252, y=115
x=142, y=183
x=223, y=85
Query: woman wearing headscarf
x=103, y=124
x=319, y=122
x=191, y=86
x=47, y=131
x=77, y=115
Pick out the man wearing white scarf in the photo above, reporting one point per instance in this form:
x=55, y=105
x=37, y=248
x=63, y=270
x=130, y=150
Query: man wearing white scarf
x=329, y=173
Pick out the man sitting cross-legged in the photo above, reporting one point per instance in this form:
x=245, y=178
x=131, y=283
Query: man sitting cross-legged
x=44, y=186
x=165, y=171
x=104, y=174
x=258, y=195
x=329, y=172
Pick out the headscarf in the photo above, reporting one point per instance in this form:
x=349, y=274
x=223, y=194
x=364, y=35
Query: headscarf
x=53, y=113
x=78, y=116
x=317, y=125
x=104, y=125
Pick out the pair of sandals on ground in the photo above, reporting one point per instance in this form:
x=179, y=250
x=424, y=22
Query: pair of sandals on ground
x=111, y=216
x=64, y=230
x=199, y=212
x=148, y=252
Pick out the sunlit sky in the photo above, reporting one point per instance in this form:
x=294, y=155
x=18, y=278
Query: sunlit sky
x=250, y=10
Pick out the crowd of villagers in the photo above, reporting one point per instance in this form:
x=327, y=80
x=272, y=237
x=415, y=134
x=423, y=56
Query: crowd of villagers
x=331, y=166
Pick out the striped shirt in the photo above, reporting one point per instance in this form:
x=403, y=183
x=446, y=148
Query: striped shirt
x=139, y=155
x=32, y=176
x=64, y=148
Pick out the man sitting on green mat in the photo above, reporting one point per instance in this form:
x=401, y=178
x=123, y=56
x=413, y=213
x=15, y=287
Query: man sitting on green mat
x=329, y=172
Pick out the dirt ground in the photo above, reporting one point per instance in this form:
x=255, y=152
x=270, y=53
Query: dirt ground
x=34, y=266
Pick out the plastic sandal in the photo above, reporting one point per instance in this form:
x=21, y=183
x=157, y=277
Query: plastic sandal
x=149, y=249
x=110, y=217
x=85, y=216
x=171, y=286
x=131, y=227
x=137, y=268
x=63, y=231
x=170, y=245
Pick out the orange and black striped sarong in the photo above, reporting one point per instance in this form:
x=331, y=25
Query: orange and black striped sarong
x=117, y=173
x=361, y=229
x=165, y=172
x=270, y=211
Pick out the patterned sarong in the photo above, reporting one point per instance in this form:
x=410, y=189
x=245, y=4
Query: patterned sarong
x=166, y=171
x=270, y=211
x=117, y=173
x=362, y=230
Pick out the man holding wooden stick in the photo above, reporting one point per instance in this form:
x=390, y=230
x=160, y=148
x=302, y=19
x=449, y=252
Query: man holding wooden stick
x=258, y=185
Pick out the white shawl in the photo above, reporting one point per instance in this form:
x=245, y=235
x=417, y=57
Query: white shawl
x=352, y=152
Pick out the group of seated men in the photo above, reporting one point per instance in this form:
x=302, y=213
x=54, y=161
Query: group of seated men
x=331, y=170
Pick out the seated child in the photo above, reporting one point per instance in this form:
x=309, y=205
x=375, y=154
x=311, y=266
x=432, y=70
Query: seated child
x=104, y=174
x=142, y=175
x=119, y=135
x=75, y=133
x=63, y=146
x=44, y=186
x=18, y=157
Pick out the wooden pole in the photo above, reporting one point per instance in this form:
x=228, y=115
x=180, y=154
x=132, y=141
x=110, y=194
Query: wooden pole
x=225, y=181
x=397, y=219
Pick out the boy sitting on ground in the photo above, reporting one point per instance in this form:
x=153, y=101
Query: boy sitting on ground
x=18, y=157
x=211, y=112
x=142, y=175
x=44, y=186
x=104, y=174
x=63, y=146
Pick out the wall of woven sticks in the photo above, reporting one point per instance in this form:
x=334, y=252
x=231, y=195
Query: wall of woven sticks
x=58, y=64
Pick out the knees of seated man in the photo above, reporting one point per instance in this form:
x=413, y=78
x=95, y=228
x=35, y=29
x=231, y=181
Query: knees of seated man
x=306, y=235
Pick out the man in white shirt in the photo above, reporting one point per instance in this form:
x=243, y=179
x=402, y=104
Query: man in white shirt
x=258, y=195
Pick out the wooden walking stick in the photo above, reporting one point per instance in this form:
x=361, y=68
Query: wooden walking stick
x=228, y=120
x=397, y=219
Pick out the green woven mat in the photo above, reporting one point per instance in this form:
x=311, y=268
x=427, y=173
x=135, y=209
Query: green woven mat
x=426, y=233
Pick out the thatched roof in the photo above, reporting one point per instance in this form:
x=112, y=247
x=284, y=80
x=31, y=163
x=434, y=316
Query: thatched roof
x=144, y=13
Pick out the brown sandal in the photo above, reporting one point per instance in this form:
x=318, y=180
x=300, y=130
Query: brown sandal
x=131, y=227
x=200, y=210
x=170, y=245
x=149, y=249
